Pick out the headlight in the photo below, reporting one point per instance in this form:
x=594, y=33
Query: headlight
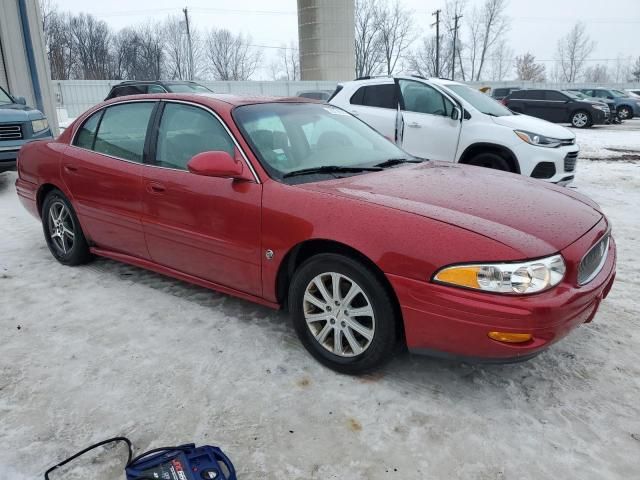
x=515, y=278
x=539, y=140
x=39, y=125
x=601, y=107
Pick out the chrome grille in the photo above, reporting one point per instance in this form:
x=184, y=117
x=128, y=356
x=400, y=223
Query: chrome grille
x=569, y=141
x=570, y=161
x=10, y=132
x=593, y=261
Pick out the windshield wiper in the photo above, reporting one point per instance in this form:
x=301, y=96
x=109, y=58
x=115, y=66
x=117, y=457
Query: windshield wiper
x=397, y=161
x=331, y=169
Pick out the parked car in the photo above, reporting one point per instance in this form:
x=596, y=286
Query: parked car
x=135, y=87
x=315, y=94
x=444, y=120
x=558, y=107
x=299, y=204
x=613, y=111
x=628, y=107
x=19, y=124
x=633, y=93
x=500, y=93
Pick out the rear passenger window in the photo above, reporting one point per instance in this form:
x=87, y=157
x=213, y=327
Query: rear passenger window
x=555, y=96
x=123, y=130
x=87, y=133
x=186, y=131
x=381, y=96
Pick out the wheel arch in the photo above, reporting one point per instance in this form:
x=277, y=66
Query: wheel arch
x=485, y=147
x=306, y=249
x=42, y=193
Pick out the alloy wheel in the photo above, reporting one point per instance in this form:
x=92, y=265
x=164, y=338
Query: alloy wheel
x=580, y=119
x=624, y=113
x=339, y=314
x=61, y=227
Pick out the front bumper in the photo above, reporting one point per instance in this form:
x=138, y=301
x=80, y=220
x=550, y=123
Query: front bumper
x=8, y=159
x=558, y=164
x=454, y=322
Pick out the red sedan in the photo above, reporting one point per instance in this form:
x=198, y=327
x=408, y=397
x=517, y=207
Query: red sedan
x=300, y=205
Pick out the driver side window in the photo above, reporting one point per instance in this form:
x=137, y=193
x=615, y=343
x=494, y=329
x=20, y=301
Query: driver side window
x=421, y=98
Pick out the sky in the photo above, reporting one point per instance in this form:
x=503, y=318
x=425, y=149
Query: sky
x=536, y=25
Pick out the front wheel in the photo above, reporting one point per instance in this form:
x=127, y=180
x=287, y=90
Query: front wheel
x=62, y=231
x=342, y=313
x=581, y=119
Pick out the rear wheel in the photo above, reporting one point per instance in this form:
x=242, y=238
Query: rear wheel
x=581, y=119
x=625, y=112
x=343, y=314
x=490, y=160
x=62, y=231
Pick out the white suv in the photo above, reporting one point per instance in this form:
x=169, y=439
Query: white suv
x=444, y=120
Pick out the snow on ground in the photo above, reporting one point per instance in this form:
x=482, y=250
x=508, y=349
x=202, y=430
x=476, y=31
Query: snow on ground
x=108, y=349
x=610, y=141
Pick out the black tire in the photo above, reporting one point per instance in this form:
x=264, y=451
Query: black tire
x=576, y=119
x=64, y=248
x=625, y=112
x=385, y=332
x=490, y=160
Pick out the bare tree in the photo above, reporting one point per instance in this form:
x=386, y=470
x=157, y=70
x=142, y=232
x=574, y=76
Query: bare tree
x=573, y=50
x=176, y=48
x=91, y=39
x=527, y=69
x=60, y=44
x=368, y=49
x=635, y=71
x=423, y=60
x=231, y=57
x=621, y=71
x=395, y=26
x=596, y=74
x=501, y=61
x=493, y=25
x=286, y=66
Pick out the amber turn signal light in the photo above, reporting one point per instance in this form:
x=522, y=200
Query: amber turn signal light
x=510, y=337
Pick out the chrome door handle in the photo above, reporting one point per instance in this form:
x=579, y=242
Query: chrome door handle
x=70, y=168
x=414, y=125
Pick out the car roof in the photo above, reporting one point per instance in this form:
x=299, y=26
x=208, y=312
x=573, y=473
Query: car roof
x=213, y=99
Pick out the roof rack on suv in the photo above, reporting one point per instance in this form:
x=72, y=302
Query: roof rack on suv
x=369, y=77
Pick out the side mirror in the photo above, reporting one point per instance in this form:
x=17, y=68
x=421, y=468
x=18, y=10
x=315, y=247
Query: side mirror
x=610, y=97
x=20, y=100
x=218, y=164
x=456, y=113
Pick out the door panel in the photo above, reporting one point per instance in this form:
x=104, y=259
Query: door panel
x=107, y=195
x=376, y=105
x=428, y=129
x=203, y=226
x=107, y=191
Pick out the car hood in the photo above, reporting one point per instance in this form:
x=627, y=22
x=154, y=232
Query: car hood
x=534, y=125
x=532, y=217
x=15, y=112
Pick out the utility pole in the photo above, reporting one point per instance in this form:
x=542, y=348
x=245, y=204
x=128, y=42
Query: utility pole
x=437, y=24
x=455, y=45
x=186, y=21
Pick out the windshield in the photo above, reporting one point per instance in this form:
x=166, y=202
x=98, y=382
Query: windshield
x=619, y=93
x=574, y=95
x=289, y=137
x=480, y=101
x=4, y=97
x=187, y=88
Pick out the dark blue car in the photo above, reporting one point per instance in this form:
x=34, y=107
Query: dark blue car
x=19, y=124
